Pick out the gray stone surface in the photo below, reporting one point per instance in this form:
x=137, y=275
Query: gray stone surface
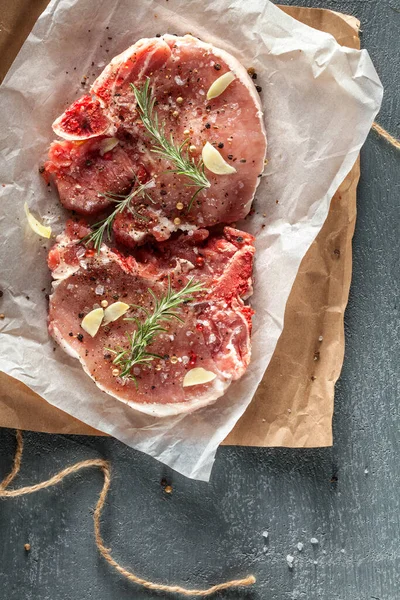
x=202, y=534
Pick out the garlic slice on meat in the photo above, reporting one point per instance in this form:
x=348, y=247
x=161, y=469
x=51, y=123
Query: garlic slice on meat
x=107, y=145
x=220, y=85
x=35, y=225
x=197, y=376
x=114, y=312
x=91, y=323
x=214, y=162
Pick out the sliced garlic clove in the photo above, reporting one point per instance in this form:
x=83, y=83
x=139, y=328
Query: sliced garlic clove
x=35, y=225
x=107, y=145
x=91, y=323
x=220, y=85
x=114, y=312
x=197, y=376
x=214, y=162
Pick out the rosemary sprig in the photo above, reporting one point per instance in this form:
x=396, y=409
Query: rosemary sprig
x=167, y=148
x=164, y=310
x=104, y=227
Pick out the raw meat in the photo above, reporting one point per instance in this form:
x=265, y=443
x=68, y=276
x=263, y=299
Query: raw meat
x=215, y=333
x=180, y=70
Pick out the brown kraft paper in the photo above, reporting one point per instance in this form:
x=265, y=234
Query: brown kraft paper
x=293, y=405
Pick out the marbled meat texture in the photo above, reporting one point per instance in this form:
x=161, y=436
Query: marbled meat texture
x=215, y=333
x=181, y=70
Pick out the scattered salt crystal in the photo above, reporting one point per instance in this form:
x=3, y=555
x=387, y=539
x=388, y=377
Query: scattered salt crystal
x=315, y=562
x=136, y=371
x=323, y=551
x=314, y=541
x=343, y=551
x=185, y=360
x=366, y=471
x=290, y=560
x=264, y=420
x=70, y=286
x=99, y=291
x=212, y=338
x=81, y=252
x=320, y=338
x=300, y=546
x=265, y=534
x=189, y=333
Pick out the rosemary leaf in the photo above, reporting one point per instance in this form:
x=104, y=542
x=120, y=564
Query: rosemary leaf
x=104, y=227
x=166, y=148
x=164, y=311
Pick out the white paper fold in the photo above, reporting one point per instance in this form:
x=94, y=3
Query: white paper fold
x=319, y=100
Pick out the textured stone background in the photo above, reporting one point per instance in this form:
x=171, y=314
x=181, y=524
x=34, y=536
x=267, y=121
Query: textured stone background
x=346, y=496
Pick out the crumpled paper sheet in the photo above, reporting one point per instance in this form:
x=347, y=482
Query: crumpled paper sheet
x=320, y=101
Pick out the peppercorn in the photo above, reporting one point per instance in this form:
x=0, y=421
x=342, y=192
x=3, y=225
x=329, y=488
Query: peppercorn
x=200, y=261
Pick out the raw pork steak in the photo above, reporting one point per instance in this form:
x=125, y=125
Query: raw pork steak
x=106, y=147
x=214, y=334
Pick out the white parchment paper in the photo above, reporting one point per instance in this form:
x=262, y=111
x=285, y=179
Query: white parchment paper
x=319, y=100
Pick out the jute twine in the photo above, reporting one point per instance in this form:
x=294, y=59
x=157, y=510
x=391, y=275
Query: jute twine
x=105, y=552
x=386, y=135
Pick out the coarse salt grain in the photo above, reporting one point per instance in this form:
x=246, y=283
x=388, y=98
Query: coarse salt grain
x=300, y=546
x=314, y=541
x=99, y=291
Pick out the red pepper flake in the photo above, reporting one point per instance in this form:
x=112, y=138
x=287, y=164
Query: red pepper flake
x=199, y=327
x=89, y=253
x=193, y=359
